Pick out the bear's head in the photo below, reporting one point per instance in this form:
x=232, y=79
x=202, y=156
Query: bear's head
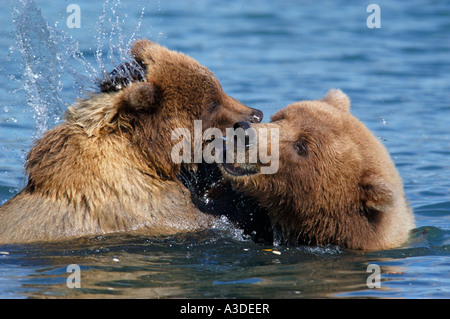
x=157, y=92
x=177, y=84
x=334, y=182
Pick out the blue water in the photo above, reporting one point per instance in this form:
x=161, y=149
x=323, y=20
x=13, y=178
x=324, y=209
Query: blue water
x=267, y=54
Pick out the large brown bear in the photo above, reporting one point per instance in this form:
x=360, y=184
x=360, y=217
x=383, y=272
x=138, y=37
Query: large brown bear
x=108, y=167
x=335, y=184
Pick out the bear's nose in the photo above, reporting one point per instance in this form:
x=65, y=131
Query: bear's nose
x=256, y=116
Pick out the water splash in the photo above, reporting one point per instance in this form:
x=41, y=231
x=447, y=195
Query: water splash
x=48, y=55
x=109, y=30
x=224, y=224
x=41, y=63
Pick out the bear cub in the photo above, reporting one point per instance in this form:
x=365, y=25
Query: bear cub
x=335, y=184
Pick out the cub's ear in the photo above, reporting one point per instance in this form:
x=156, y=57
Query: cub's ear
x=338, y=99
x=377, y=195
x=141, y=96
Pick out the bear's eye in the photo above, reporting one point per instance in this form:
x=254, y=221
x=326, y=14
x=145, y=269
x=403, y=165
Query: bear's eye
x=213, y=106
x=301, y=147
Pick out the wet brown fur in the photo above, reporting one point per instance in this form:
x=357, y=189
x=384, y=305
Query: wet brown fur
x=338, y=186
x=108, y=169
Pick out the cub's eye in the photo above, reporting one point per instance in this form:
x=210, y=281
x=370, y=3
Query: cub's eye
x=301, y=147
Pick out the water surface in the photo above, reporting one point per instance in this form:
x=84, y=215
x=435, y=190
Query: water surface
x=267, y=54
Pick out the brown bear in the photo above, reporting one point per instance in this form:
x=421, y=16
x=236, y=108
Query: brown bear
x=107, y=168
x=335, y=182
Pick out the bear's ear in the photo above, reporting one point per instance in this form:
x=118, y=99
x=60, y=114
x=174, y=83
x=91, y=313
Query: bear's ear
x=141, y=51
x=141, y=96
x=338, y=99
x=377, y=195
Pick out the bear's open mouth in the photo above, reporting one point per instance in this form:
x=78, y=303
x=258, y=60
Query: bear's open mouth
x=239, y=170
